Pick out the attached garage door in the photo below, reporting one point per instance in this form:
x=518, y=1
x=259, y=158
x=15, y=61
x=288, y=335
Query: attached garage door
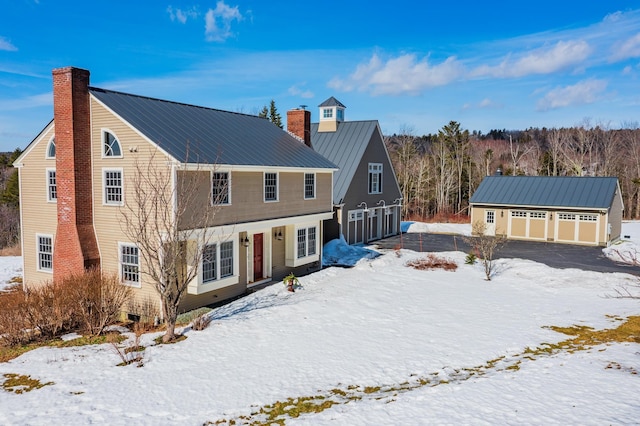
x=528, y=224
x=577, y=228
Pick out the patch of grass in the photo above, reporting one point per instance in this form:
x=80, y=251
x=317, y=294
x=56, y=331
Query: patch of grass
x=18, y=383
x=179, y=338
x=187, y=317
x=9, y=353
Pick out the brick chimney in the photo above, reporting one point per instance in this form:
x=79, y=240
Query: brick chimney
x=75, y=247
x=299, y=123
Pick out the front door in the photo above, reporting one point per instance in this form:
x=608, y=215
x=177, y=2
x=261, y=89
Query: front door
x=490, y=222
x=257, y=257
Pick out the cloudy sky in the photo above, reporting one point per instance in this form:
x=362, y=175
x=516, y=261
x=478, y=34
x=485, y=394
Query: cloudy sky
x=409, y=64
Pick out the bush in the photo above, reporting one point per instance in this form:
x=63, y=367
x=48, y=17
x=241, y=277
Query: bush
x=49, y=310
x=433, y=262
x=470, y=259
x=14, y=328
x=201, y=322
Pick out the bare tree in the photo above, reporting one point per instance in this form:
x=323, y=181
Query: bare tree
x=485, y=246
x=167, y=219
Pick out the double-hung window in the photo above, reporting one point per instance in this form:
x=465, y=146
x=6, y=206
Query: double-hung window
x=112, y=187
x=220, y=186
x=217, y=261
x=52, y=189
x=375, y=178
x=129, y=264
x=45, y=253
x=271, y=187
x=306, y=242
x=309, y=186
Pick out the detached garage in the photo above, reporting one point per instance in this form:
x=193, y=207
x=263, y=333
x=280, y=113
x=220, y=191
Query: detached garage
x=574, y=210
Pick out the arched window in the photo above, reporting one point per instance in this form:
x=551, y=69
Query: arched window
x=51, y=148
x=111, y=145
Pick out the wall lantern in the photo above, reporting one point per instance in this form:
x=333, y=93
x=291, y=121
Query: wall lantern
x=501, y=213
x=245, y=241
x=550, y=216
x=278, y=235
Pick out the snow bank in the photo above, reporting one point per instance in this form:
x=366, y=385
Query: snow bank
x=338, y=253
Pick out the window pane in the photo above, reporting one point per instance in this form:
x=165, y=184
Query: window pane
x=45, y=251
x=113, y=187
x=309, y=185
x=51, y=184
x=302, y=243
x=129, y=261
x=311, y=241
x=209, y=263
x=270, y=186
x=220, y=188
x=226, y=259
x=51, y=152
x=111, y=146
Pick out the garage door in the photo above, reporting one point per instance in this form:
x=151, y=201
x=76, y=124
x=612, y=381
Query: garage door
x=528, y=224
x=577, y=228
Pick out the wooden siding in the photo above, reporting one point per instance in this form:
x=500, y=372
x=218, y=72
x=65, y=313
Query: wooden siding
x=39, y=216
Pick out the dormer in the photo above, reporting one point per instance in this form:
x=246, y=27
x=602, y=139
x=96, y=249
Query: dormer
x=331, y=113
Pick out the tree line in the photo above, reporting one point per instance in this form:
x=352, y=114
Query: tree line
x=9, y=200
x=438, y=172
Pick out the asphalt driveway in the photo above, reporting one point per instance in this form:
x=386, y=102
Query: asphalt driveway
x=551, y=254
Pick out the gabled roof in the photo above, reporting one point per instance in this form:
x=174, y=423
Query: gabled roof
x=345, y=148
x=197, y=134
x=547, y=191
x=332, y=102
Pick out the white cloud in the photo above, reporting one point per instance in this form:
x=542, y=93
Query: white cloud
x=6, y=45
x=296, y=91
x=182, y=15
x=404, y=74
x=630, y=48
x=539, y=61
x=218, y=21
x=583, y=92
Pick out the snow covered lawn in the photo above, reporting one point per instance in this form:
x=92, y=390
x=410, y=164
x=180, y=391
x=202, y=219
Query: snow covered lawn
x=10, y=268
x=359, y=337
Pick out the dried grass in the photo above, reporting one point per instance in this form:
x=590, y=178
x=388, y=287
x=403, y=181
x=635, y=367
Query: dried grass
x=431, y=262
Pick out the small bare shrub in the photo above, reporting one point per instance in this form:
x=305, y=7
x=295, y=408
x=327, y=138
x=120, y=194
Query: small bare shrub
x=49, y=309
x=97, y=299
x=14, y=329
x=130, y=352
x=201, y=322
x=431, y=261
x=485, y=246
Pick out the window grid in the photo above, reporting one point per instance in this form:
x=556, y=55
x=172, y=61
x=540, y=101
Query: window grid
x=537, y=215
x=491, y=217
x=270, y=186
x=226, y=259
x=375, y=178
x=309, y=185
x=302, y=242
x=52, y=189
x=113, y=186
x=51, y=150
x=518, y=213
x=220, y=188
x=588, y=218
x=45, y=253
x=566, y=216
x=129, y=261
x=311, y=241
x=111, y=146
x=209, y=263
x=327, y=113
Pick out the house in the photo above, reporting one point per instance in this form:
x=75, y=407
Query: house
x=270, y=193
x=575, y=210
x=366, y=195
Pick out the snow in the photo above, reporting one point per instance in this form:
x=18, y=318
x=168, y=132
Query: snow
x=437, y=228
x=338, y=253
x=10, y=267
x=627, y=249
x=378, y=323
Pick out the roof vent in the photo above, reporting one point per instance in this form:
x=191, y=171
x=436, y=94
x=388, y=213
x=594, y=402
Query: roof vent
x=498, y=171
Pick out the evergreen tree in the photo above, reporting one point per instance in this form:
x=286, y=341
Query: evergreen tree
x=264, y=112
x=274, y=116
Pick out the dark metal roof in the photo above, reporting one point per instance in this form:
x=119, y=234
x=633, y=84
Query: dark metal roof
x=332, y=102
x=547, y=191
x=344, y=147
x=197, y=134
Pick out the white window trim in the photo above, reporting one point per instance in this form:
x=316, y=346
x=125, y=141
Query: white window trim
x=228, y=203
x=49, y=199
x=304, y=186
x=264, y=174
x=199, y=287
x=104, y=189
x=328, y=113
x=46, y=154
x=103, y=132
x=307, y=258
x=38, y=268
x=380, y=175
x=134, y=284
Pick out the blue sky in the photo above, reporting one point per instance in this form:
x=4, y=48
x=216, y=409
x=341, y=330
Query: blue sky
x=409, y=64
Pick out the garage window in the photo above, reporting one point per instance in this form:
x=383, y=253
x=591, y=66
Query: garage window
x=537, y=215
x=566, y=216
x=588, y=218
x=518, y=213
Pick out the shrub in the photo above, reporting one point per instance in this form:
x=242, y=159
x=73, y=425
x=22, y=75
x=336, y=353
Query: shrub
x=201, y=322
x=49, y=309
x=471, y=258
x=431, y=261
x=14, y=328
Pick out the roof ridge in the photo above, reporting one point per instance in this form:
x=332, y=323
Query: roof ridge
x=99, y=89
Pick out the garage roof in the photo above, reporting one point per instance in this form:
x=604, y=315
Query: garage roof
x=547, y=191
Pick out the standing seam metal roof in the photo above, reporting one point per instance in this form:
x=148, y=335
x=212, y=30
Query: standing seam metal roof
x=198, y=134
x=344, y=147
x=547, y=191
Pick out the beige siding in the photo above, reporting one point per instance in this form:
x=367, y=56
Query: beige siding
x=107, y=218
x=39, y=216
x=501, y=217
